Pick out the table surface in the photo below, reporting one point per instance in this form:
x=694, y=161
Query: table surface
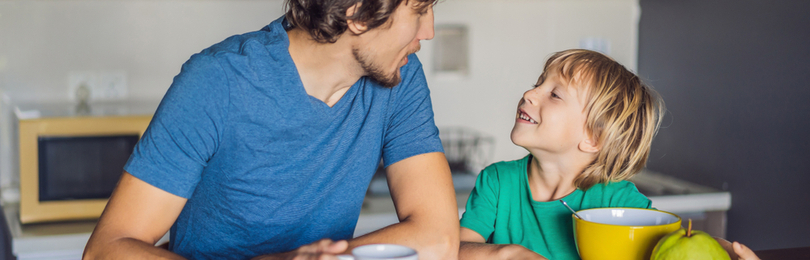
x=796, y=253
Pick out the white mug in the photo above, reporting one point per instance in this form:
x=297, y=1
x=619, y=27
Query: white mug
x=381, y=252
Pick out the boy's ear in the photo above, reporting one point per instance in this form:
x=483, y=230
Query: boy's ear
x=589, y=145
x=355, y=27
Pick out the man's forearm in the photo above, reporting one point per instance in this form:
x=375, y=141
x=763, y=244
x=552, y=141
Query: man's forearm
x=422, y=190
x=435, y=241
x=483, y=251
x=135, y=218
x=127, y=248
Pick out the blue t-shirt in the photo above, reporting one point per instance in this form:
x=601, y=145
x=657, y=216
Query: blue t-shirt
x=265, y=167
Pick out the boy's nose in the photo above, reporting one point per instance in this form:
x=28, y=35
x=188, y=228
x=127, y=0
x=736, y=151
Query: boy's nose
x=530, y=97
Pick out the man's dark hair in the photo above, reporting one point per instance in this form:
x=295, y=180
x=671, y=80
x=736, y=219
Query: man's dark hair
x=325, y=20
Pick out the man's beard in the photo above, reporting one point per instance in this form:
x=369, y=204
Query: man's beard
x=375, y=72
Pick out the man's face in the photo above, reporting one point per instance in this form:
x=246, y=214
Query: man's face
x=385, y=49
x=551, y=117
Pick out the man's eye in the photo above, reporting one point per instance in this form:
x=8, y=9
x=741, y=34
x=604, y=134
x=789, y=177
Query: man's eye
x=425, y=9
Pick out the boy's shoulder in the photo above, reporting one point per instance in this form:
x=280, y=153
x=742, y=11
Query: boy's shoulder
x=614, y=187
x=505, y=172
x=507, y=167
x=618, y=194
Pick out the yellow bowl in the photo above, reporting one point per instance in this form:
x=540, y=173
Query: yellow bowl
x=621, y=233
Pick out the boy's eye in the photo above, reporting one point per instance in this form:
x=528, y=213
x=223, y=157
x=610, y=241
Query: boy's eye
x=554, y=95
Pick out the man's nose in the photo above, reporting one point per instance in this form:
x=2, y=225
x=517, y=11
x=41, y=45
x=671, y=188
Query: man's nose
x=426, y=31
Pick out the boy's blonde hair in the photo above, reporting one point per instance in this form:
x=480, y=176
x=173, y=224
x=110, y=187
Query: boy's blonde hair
x=623, y=114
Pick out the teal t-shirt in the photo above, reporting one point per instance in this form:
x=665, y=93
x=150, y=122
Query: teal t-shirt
x=502, y=210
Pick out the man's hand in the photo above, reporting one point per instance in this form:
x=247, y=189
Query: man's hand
x=324, y=249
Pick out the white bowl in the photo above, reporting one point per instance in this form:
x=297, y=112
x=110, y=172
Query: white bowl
x=384, y=252
x=628, y=216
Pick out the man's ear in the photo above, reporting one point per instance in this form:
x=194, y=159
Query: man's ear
x=355, y=27
x=589, y=145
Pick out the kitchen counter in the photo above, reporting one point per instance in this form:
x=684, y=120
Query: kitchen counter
x=62, y=240
x=704, y=205
x=66, y=240
x=58, y=240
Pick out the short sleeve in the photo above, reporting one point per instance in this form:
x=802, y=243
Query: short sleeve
x=627, y=195
x=482, y=205
x=411, y=129
x=185, y=130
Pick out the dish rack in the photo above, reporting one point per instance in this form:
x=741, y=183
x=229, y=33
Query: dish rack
x=467, y=152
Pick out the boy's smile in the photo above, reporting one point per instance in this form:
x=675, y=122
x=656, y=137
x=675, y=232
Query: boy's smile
x=523, y=117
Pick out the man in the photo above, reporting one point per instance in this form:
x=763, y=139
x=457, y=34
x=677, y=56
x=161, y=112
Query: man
x=265, y=143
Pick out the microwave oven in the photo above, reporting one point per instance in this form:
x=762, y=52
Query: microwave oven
x=69, y=164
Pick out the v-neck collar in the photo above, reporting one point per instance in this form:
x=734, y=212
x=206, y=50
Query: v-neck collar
x=347, y=97
x=319, y=106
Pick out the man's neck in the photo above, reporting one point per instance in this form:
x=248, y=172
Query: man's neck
x=327, y=70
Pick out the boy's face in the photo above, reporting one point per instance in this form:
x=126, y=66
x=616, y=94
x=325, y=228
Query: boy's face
x=551, y=117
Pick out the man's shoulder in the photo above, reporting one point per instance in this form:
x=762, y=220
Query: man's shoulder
x=248, y=44
x=271, y=38
x=256, y=57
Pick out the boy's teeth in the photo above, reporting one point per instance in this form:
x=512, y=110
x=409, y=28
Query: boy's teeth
x=527, y=118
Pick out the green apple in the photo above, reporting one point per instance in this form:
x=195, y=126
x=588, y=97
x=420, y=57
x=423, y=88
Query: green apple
x=684, y=244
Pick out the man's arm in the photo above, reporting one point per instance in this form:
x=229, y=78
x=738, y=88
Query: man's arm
x=473, y=246
x=422, y=189
x=135, y=218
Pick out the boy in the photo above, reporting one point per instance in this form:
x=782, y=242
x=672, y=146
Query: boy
x=588, y=124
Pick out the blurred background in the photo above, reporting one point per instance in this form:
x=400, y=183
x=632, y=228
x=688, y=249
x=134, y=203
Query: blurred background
x=736, y=79
x=735, y=76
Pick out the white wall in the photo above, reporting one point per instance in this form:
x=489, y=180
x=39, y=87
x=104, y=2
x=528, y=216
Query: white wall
x=509, y=44
x=42, y=41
